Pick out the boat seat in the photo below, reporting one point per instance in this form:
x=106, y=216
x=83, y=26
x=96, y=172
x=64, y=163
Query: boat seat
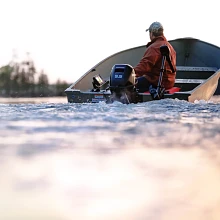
x=196, y=68
x=199, y=81
x=168, y=91
x=196, y=73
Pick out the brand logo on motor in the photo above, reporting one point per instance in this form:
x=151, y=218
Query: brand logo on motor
x=117, y=76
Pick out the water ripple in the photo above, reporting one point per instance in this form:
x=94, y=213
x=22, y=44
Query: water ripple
x=154, y=160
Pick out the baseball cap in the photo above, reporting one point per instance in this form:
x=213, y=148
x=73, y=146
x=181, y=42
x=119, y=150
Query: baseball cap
x=155, y=27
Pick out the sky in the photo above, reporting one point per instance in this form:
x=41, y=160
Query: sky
x=66, y=38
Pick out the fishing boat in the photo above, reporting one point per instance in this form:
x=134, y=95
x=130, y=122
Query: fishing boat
x=197, y=76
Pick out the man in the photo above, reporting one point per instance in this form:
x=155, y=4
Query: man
x=148, y=69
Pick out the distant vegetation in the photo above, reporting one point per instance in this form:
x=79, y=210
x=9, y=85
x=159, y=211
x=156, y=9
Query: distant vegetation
x=20, y=79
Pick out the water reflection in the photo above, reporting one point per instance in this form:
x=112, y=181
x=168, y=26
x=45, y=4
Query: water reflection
x=34, y=100
x=137, y=183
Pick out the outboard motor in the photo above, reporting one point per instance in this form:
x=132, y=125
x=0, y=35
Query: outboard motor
x=122, y=84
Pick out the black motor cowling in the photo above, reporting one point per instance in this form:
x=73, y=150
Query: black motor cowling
x=122, y=75
x=122, y=83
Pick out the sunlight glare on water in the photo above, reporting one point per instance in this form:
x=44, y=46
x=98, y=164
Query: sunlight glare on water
x=157, y=160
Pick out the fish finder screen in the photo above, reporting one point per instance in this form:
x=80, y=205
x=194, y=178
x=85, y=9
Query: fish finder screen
x=98, y=79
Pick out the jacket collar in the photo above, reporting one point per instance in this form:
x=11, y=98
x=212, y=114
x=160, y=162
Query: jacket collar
x=160, y=38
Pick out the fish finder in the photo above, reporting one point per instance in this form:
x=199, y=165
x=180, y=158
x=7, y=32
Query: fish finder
x=97, y=82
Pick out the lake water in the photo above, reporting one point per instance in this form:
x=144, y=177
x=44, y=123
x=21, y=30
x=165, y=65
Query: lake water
x=158, y=160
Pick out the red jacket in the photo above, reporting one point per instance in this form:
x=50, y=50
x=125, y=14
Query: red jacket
x=150, y=64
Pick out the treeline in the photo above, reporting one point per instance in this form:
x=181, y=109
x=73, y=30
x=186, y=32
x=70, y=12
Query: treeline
x=21, y=79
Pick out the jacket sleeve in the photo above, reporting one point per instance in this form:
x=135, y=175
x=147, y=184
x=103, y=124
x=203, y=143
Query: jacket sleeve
x=146, y=64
